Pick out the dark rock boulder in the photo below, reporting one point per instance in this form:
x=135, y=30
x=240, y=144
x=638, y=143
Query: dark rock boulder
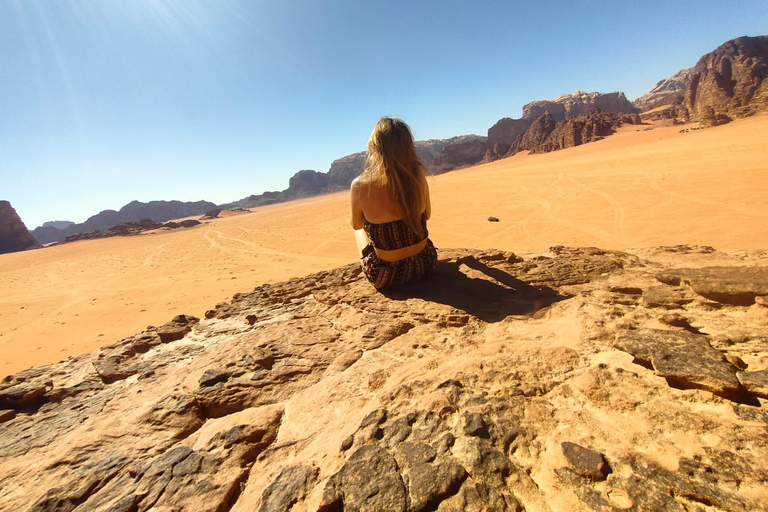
x=14, y=235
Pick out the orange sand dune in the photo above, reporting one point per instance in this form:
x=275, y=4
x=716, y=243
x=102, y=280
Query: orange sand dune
x=644, y=186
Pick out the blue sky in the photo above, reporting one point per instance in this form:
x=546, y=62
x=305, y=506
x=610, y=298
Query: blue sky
x=107, y=101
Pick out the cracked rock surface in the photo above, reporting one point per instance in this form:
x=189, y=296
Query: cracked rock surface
x=579, y=379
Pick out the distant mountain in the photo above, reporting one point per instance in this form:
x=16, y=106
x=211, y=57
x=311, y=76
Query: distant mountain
x=14, y=235
x=135, y=211
x=725, y=84
x=308, y=182
x=669, y=91
x=58, y=224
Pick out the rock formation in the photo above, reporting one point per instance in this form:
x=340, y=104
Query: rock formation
x=580, y=130
x=669, y=91
x=135, y=211
x=307, y=183
x=501, y=136
x=14, y=235
x=132, y=229
x=577, y=104
x=730, y=82
x=458, y=155
x=580, y=379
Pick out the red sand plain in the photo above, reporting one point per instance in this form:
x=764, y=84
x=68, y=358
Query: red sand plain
x=644, y=186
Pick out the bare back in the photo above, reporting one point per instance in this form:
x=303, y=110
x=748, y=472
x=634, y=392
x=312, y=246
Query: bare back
x=372, y=202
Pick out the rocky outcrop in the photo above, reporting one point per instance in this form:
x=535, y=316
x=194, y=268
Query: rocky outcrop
x=502, y=383
x=669, y=91
x=501, y=136
x=307, y=183
x=577, y=104
x=579, y=130
x=135, y=211
x=536, y=135
x=346, y=169
x=730, y=82
x=14, y=235
x=131, y=229
x=458, y=155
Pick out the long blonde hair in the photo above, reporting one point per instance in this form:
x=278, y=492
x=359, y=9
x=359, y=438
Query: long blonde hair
x=392, y=159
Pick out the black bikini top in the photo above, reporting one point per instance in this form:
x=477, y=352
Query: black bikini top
x=394, y=235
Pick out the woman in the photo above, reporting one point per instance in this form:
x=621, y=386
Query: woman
x=390, y=208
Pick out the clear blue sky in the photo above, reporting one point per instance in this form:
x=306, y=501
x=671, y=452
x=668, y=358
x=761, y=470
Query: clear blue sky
x=107, y=101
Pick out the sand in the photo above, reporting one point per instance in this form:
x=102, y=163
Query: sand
x=644, y=186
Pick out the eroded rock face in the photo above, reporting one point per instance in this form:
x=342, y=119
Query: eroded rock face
x=669, y=91
x=577, y=104
x=14, y=235
x=579, y=379
x=730, y=82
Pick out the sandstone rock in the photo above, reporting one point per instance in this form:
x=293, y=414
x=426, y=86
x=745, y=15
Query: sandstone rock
x=585, y=462
x=582, y=130
x=368, y=481
x=14, y=235
x=176, y=328
x=666, y=92
x=502, y=134
x=291, y=486
x=495, y=385
x=755, y=382
x=729, y=82
x=739, y=286
x=307, y=183
x=577, y=104
x=686, y=360
x=458, y=155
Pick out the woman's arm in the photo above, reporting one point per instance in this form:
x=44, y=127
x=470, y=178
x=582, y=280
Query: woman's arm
x=358, y=219
x=427, y=201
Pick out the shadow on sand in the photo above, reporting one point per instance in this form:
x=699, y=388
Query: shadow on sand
x=490, y=296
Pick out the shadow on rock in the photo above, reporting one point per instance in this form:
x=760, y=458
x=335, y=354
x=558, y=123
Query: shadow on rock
x=485, y=292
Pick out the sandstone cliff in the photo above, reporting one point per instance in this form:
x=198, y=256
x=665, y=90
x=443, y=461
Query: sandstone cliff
x=730, y=82
x=579, y=130
x=14, y=235
x=578, y=104
x=669, y=91
x=580, y=379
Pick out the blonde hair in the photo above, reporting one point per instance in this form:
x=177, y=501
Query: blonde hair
x=392, y=159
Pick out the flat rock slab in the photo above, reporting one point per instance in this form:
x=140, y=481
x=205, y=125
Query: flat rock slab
x=739, y=286
x=686, y=360
x=755, y=382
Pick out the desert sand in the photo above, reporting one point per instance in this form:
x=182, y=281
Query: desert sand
x=644, y=186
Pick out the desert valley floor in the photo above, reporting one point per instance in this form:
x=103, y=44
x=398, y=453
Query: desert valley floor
x=647, y=185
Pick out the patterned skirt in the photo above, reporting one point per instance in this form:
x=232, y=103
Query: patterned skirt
x=390, y=274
